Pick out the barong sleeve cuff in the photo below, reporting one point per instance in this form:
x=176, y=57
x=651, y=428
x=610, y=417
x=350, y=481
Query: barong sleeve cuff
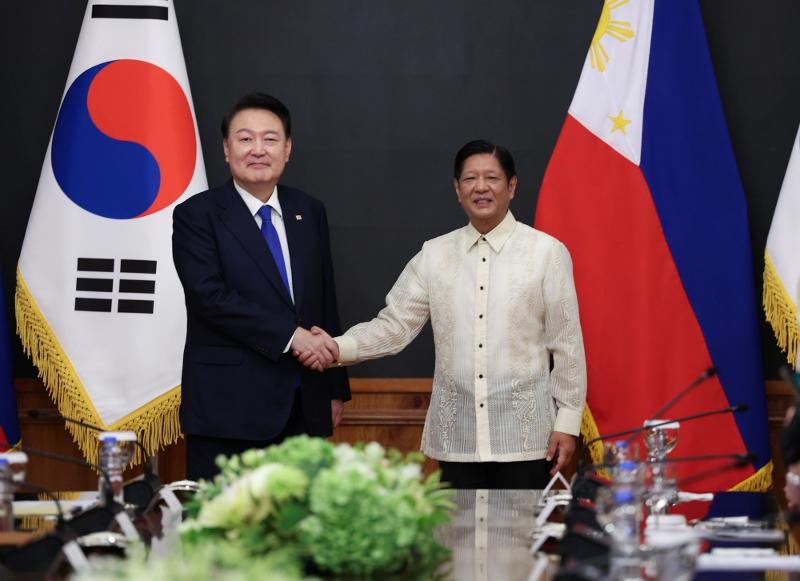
x=348, y=349
x=568, y=421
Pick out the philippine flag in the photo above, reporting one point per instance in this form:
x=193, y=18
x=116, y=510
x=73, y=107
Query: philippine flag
x=99, y=305
x=643, y=189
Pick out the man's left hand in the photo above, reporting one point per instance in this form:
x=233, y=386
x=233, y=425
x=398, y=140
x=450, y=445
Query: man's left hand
x=562, y=448
x=337, y=408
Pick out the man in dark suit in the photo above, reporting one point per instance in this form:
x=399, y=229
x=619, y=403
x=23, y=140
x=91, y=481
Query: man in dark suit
x=255, y=263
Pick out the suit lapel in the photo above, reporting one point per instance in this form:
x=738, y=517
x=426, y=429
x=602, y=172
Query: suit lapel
x=295, y=237
x=242, y=225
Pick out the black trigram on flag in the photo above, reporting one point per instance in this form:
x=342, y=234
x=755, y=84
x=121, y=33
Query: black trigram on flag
x=96, y=276
x=120, y=11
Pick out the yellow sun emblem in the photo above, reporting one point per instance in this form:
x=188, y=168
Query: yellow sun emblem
x=619, y=29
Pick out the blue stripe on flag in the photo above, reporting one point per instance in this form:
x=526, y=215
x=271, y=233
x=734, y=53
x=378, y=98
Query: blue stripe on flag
x=8, y=402
x=688, y=162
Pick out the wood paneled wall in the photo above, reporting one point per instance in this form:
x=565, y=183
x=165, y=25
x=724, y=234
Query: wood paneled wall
x=389, y=411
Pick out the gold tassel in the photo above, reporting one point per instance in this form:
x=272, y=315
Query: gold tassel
x=589, y=432
x=41, y=524
x=156, y=423
x=761, y=481
x=781, y=311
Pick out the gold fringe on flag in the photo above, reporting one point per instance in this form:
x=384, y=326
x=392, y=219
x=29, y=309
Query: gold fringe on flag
x=156, y=423
x=760, y=481
x=781, y=311
x=589, y=432
x=42, y=524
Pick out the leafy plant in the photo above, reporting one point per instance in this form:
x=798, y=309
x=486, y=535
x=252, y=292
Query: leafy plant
x=354, y=511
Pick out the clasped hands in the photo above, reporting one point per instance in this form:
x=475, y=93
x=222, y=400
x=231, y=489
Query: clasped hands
x=315, y=348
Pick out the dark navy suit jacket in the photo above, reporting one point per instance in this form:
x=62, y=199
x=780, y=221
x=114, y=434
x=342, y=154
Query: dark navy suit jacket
x=237, y=382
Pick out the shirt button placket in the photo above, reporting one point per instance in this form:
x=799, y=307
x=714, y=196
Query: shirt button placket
x=480, y=349
x=481, y=535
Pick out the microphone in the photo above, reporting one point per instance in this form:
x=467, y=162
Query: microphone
x=61, y=523
x=108, y=493
x=741, y=462
x=149, y=475
x=727, y=410
x=138, y=492
x=742, y=459
x=100, y=517
x=707, y=374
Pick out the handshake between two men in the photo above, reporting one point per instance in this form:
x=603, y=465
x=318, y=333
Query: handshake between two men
x=315, y=348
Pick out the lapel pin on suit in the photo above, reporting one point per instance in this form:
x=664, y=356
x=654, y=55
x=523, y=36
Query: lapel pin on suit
x=298, y=217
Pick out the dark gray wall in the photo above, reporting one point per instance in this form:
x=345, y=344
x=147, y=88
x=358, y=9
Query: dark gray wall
x=382, y=94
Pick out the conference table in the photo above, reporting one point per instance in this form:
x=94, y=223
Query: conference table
x=491, y=536
x=491, y=533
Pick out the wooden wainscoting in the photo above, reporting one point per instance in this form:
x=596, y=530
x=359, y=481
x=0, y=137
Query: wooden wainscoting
x=389, y=411
x=779, y=398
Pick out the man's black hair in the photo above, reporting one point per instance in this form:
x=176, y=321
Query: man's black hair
x=259, y=101
x=480, y=146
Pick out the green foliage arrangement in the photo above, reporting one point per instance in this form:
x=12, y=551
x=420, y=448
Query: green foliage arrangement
x=355, y=512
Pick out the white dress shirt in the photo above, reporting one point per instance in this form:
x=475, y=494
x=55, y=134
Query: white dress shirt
x=254, y=205
x=500, y=304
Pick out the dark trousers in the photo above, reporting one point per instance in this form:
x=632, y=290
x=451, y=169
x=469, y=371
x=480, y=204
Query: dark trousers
x=529, y=474
x=202, y=451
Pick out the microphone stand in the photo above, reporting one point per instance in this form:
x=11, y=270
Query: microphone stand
x=730, y=409
x=108, y=491
x=741, y=458
x=61, y=523
x=739, y=463
x=149, y=475
x=707, y=374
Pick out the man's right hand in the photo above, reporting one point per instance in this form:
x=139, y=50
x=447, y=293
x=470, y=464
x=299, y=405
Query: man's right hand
x=314, y=350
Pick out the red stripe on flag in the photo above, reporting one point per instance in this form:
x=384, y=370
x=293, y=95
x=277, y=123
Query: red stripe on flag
x=643, y=342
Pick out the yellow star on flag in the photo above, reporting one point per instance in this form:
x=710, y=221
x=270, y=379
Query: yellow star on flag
x=620, y=123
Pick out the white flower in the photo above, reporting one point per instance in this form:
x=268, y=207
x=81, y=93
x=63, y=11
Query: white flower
x=409, y=472
x=374, y=453
x=346, y=454
x=248, y=499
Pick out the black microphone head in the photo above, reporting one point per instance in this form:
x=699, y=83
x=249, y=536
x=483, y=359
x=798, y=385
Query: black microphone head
x=742, y=407
x=139, y=493
x=92, y=520
x=711, y=372
x=748, y=458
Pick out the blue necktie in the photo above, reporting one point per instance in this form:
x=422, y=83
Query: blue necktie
x=271, y=236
